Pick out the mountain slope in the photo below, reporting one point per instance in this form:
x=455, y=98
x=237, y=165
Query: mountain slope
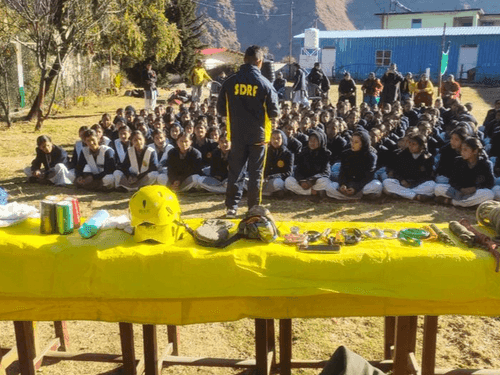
x=238, y=24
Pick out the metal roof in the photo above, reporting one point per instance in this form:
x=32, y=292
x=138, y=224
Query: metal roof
x=394, y=33
x=433, y=11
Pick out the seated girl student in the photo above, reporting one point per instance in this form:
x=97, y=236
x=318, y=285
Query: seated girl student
x=49, y=165
x=312, y=170
x=95, y=168
x=79, y=145
x=121, y=144
x=108, y=126
x=410, y=173
x=448, y=153
x=471, y=178
x=293, y=144
x=203, y=144
x=103, y=140
x=162, y=148
x=216, y=182
x=175, y=130
x=140, y=167
x=183, y=165
x=279, y=164
x=357, y=170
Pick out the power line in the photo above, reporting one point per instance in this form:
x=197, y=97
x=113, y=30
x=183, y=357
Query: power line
x=224, y=8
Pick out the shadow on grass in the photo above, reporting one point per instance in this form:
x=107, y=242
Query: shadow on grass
x=206, y=205
x=488, y=94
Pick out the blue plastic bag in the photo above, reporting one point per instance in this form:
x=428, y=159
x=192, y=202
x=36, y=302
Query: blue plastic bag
x=3, y=197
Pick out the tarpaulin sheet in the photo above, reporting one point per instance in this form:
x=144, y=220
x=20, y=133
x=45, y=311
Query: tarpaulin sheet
x=112, y=278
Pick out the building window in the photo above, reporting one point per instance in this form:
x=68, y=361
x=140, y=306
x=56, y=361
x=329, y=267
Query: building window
x=416, y=23
x=488, y=23
x=383, y=58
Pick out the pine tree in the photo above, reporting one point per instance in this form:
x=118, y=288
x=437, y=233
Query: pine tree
x=183, y=14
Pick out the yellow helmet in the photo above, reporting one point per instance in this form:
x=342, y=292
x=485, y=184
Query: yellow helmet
x=154, y=210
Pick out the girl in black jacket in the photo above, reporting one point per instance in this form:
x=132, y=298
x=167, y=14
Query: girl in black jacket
x=411, y=173
x=313, y=167
x=471, y=178
x=279, y=164
x=49, y=165
x=357, y=169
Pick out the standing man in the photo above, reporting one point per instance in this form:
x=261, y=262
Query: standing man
x=150, y=91
x=300, y=86
x=371, y=89
x=199, y=77
x=249, y=103
x=391, y=81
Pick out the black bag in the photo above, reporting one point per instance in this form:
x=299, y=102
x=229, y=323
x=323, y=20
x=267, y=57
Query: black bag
x=346, y=362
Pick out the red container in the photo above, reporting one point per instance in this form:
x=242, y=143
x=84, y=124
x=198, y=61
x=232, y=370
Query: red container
x=76, y=212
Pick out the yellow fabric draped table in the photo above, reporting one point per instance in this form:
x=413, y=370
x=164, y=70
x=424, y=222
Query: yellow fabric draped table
x=112, y=278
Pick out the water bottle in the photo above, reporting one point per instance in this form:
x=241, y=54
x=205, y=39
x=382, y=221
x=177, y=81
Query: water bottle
x=92, y=225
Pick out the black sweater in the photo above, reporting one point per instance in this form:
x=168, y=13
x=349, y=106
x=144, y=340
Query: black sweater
x=181, y=168
x=414, y=171
x=480, y=176
x=49, y=161
x=357, y=168
x=279, y=162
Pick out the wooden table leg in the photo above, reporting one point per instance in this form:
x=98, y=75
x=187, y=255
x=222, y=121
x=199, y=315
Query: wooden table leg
x=173, y=337
x=389, y=336
x=25, y=340
x=402, y=345
x=61, y=330
x=128, y=350
x=262, y=344
x=151, y=350
x=429, y=345
x=285, y=346
x=271, y=342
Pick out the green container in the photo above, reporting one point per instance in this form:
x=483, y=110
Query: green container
x=64, y=211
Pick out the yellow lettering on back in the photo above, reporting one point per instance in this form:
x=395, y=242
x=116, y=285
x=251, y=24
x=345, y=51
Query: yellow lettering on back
x=254, y=90
x=249, y=90
x=236, y=89
x=243, y=89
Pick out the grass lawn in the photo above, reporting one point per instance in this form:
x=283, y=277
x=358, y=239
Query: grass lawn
x=462, y=341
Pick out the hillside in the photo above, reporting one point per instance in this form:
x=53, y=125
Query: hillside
x=236, y=24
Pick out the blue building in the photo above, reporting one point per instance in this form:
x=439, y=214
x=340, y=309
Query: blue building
x=474, y=52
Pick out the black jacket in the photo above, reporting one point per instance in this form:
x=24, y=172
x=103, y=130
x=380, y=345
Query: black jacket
x=313, y=164
x=414, y=171
x=249, y=101
x=206, y=150
x=279, y=162
x=219, y=165
x=357, y=168
x=180, y=169
x=49, y=161
x=480, y=177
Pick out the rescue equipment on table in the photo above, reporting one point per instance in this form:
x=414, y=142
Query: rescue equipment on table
x=155, y=213
x=92, y=226
x=59, y=215
x=212, y=233
x=485, y=242
x=258, y=224
x=306, y=241
x=488, y=214
x=441, y=235
x=413, y=236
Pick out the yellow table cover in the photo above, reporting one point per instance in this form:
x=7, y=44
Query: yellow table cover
x=112, y=278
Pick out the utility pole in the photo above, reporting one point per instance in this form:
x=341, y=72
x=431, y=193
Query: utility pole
x=290, y=36
x=441, y=61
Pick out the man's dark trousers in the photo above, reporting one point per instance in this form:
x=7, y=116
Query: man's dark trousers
x=240, y=154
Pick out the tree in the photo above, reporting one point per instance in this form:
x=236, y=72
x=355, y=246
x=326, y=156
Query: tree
x=142, y=34
x=59, y=27
x=183, y=14
x=7, y=60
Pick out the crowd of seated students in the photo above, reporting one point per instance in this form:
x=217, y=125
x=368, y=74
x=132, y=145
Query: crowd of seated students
x=337, y=151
